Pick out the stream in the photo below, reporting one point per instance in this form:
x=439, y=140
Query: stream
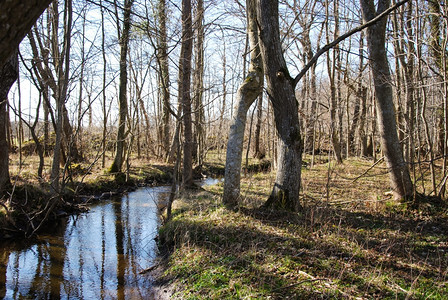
x=95, y=255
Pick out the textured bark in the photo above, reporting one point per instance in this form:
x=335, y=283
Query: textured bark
x=399, y=173
x=164, y=78
x=16, y=19
x=280, y=89
x=258, y=152
x=249, y=90
x=8, y=75
x=184, y=91
x=333, y=67
x=62, y=67
x=360, y=94
x=198, y=86
x=122, y=96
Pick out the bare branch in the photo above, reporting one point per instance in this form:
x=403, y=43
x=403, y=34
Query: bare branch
x=343, y=37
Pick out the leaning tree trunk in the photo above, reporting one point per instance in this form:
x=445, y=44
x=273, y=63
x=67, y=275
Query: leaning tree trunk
x=280, y=89
x=399, y=173
x=8, y=75
x=122, y=96
x=249, y=90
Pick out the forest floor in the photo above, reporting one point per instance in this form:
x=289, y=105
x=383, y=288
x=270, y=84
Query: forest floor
x=23, y=208
x=350, y=241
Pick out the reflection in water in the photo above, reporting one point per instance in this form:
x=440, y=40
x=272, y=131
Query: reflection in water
x=97, y=255
x=210, y=181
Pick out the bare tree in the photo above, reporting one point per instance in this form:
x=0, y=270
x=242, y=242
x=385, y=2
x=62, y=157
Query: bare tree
x=164, y=76
x=198, y=85
x=249, y=90
x=399, y=173
x=122, y=96
x=184, y=91
x=8, y=75
x=280, y=90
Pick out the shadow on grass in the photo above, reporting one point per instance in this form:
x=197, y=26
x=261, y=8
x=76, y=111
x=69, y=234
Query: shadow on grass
x=329, y=253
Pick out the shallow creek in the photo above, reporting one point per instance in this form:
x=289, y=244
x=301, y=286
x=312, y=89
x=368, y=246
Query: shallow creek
x=95, y=255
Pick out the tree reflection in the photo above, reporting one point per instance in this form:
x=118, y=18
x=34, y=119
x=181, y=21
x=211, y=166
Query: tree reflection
x=94, y=256
x=121, y=263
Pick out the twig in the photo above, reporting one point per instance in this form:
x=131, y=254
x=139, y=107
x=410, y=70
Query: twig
x=299, y=283
x=370, y=168
x=149, y=269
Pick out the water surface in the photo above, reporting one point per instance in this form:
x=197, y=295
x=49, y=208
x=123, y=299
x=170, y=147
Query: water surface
x=95, y=255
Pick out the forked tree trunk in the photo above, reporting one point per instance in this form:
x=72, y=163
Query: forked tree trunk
x=249, y=90
x=280, y=89
x=8, y=75
x=399, y=172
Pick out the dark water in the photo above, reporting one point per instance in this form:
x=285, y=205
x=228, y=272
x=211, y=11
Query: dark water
x=96, y=255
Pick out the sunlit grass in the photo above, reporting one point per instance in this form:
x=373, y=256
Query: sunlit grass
x=352, y=240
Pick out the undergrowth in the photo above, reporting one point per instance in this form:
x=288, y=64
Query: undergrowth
x=351, y=241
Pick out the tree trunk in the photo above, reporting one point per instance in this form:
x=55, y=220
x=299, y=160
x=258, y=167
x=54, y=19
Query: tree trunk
x=8, y=75
x=164, y=78
x=332, y=66
x=259, y=153
x=184, y=91
x=198, y=86
x=360, y=102
x=249, y=90
x=103, y=92
x=399, y=173
x=280, y=89
x=62, y=67
x=17, y=18
x=122, y=96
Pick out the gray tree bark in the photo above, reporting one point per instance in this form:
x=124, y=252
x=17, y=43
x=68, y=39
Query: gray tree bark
x=62, y=68
x=259, y=152
x=280, y=89
x=8, y=75
x=198, y=86
x=249, y=90
x=50, y=69
x=16, y=20
x=184, y=92
x=122, y=97
x=164, y=78
x=399, y=173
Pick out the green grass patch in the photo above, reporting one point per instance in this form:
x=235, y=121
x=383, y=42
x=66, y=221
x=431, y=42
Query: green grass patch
x=346, y=244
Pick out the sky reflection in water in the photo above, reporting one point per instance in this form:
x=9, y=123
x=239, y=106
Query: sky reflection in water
x=97, y=255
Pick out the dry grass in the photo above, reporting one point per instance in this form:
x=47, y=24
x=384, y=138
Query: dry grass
x=350, y=241
x=24, y=206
